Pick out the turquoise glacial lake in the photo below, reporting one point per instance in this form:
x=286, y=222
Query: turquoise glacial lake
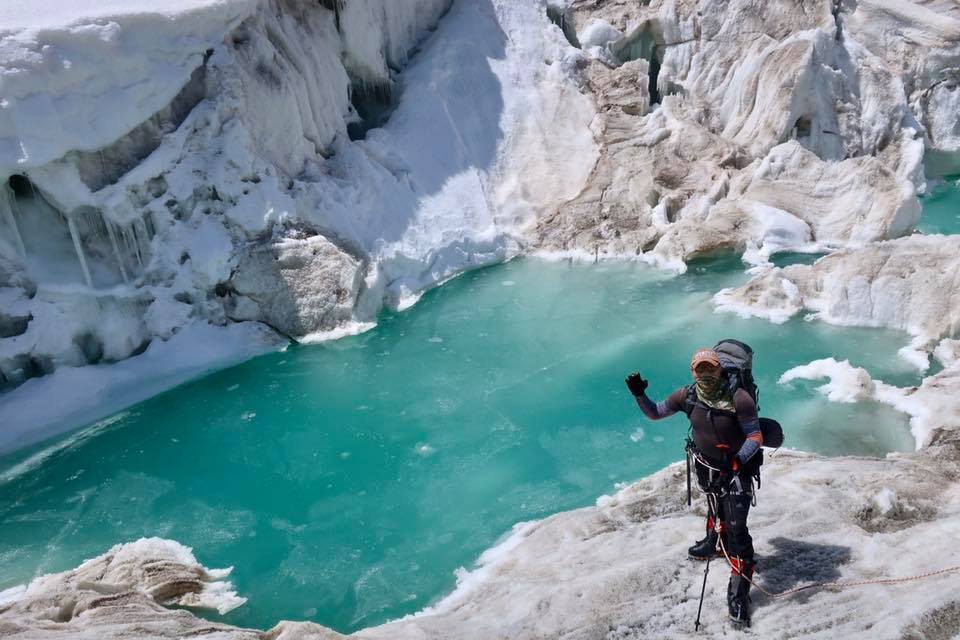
x=347, y=481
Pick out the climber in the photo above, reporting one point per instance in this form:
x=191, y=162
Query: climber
x=726, y=438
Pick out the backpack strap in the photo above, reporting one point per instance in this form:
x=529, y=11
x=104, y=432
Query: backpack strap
x=690, y=402
x=690, y=399
x=733, y=380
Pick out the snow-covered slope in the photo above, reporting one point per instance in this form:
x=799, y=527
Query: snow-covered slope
x=290, y=162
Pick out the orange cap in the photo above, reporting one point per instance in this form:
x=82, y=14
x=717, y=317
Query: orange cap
x=705, y=355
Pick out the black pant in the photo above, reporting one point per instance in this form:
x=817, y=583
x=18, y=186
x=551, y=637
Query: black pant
x=732, y=507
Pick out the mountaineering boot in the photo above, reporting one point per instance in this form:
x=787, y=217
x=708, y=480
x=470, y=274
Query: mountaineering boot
x=738, y=592
x=706, y=548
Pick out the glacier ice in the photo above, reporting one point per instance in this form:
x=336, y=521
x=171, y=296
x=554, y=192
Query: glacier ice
x=234, y=127
x=140, y=577
x=807, y=108
x=152, y=209
x=221, y=133
x=908, y=284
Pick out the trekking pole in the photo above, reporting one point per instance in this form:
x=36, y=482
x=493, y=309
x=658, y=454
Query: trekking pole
x=706, y=570
x=688, y=471
x=703, y=588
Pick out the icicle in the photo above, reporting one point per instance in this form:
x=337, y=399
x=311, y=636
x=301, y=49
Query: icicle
x=12, y=221
x=136, y=245
x=125, y=240
x=116, y=251
x=76, y=245
x=145, y=238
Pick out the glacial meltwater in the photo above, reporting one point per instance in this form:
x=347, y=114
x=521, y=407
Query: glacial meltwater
x=941, y=208
x=346, y=482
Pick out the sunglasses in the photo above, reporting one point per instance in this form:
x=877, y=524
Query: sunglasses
x=706, y=367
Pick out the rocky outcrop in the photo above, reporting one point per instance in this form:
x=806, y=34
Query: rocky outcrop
x=297, y=286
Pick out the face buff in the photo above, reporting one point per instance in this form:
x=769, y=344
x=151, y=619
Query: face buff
x=709, y=385
x=711, y=392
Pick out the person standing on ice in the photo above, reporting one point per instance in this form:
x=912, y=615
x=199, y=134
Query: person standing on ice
x=726, y=438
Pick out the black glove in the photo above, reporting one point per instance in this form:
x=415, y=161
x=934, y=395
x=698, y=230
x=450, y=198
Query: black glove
x=636, y=384
x=731, y=464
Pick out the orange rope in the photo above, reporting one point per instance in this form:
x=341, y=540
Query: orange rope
x=814, y=585
x=832, y=585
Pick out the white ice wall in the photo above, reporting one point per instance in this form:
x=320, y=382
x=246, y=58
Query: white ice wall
x=80, y=75
x=171, y=179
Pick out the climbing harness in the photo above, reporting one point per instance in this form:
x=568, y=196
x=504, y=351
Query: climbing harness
x=715, y=474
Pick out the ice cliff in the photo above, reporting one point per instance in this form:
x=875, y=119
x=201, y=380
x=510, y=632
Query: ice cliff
x=300, y=164
x=757, y=126
x=288, y=162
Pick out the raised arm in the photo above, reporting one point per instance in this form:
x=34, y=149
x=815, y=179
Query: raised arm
x=651, y=409
x=749, y=423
